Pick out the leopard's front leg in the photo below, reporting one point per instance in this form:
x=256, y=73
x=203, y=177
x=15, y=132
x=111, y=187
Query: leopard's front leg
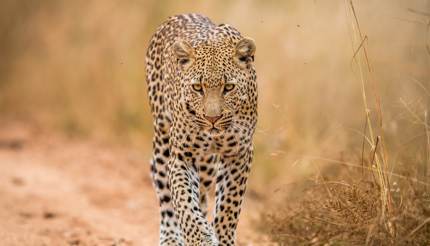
x=184, y=185
x=230, y=189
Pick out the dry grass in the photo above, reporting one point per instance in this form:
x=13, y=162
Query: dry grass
x=369, y=208
x=349, y=213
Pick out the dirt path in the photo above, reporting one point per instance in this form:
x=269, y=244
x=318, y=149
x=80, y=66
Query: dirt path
x=57, y=191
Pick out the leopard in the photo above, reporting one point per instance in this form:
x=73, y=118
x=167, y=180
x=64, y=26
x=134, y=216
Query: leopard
x=202, y=90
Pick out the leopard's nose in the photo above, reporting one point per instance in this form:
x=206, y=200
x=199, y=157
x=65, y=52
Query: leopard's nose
x=213, y=119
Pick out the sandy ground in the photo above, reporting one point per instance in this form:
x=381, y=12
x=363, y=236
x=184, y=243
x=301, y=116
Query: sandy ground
x=60, y=191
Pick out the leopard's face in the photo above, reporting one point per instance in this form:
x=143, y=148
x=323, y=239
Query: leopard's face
x=214, y=81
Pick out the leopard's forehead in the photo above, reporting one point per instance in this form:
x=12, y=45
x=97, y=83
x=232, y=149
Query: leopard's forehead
x=214, y=60
x=214, y=48
x=214, y=35
x=218, y=42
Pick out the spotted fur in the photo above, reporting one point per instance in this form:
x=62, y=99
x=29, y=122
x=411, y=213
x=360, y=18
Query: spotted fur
x=203, y=96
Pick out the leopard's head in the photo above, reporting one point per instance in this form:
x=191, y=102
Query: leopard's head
x=215, y=78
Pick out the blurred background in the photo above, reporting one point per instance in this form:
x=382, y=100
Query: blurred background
x=77, y=67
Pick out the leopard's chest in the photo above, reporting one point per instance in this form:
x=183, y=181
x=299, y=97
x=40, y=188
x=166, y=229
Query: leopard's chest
x=204, y=144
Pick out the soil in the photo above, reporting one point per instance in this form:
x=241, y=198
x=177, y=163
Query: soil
x=57, y=190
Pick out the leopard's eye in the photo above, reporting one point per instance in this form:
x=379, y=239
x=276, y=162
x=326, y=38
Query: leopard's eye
x=183, y=61
x=197, y=87
x=228, y=87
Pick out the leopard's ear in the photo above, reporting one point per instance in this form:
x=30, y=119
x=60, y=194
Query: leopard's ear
x=184, y=53
x=245, y=50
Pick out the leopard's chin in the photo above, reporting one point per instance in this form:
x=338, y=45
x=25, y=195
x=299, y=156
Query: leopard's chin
x=214, y=131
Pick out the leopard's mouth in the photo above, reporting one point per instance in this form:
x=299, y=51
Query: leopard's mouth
x=219, y=127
